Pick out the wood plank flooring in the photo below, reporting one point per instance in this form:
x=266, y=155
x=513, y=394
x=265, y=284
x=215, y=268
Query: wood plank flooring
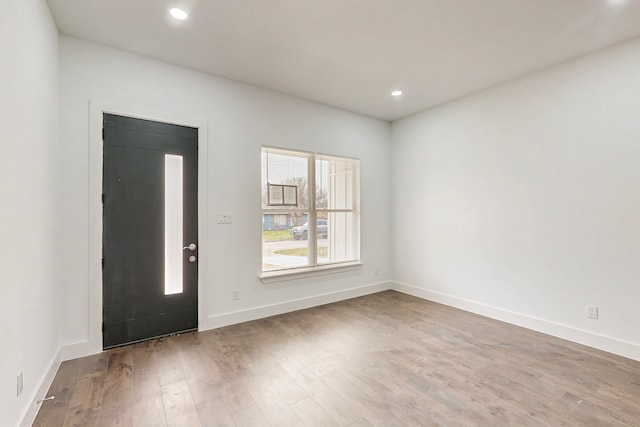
x=387, y=359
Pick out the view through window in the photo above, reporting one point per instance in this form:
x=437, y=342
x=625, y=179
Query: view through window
x=310, y=214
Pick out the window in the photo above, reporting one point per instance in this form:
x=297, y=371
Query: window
x=310, y=210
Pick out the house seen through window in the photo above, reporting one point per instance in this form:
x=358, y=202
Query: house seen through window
x=310, y=210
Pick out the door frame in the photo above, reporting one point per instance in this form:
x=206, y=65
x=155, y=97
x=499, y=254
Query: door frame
x=96, y=110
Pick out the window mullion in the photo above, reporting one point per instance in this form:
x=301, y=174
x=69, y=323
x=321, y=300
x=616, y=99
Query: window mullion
x=335, y=210
x=313, y=216
x=282, y=211
x=356, y=208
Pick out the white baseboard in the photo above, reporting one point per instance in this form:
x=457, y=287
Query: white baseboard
x=591, y=339
x=588, y=338
x=601, y=342
x=79, y=349
x=29, y=413
x=235, y=317
x=85, y=348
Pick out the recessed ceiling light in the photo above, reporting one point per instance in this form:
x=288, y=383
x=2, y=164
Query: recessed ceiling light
x=396, y=93
x=178, y=13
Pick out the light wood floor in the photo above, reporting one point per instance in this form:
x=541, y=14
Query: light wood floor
x=386, y=359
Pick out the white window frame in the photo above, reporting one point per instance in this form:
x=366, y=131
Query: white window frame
x=314, y=267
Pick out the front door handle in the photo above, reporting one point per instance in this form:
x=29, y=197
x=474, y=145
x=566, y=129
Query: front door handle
x=192, y=247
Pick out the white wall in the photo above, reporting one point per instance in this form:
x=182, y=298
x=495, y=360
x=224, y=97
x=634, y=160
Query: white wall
x=28, y=138
x=240, y=119
x=523, y=203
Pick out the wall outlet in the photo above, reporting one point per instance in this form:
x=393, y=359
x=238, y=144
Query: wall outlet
x=19, y=383
x=592, y=311
x=225, y=218
x=235, y=295
x=377, y=272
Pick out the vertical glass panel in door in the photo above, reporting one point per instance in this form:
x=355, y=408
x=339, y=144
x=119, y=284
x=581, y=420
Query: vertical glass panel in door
x=173, y=238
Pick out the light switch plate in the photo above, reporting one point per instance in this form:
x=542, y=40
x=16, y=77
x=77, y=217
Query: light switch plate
x=225, y=218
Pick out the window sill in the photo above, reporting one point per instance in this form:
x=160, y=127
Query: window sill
x=299, y=273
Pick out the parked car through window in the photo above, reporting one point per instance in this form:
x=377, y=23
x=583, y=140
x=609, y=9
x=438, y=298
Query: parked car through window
x=302, y=232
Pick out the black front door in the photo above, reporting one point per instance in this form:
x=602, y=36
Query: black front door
x=150, y=229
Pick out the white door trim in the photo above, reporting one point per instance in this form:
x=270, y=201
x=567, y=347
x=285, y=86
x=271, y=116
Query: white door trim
x=93, y=345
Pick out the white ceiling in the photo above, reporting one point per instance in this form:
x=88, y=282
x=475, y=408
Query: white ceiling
x=352, y=53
